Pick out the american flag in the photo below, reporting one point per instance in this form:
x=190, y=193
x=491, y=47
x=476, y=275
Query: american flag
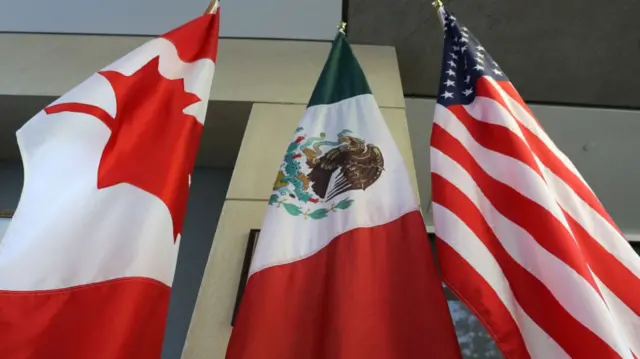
x=522, y=239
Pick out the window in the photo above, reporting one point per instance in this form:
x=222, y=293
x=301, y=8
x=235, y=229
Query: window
x=475, y=342
x=636, y=246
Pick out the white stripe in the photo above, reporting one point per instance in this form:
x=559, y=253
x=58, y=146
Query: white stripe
x=505, y=169
x=464, y=241
x=573, y=292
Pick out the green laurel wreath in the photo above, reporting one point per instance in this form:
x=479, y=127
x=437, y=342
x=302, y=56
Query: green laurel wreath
x=320, y=213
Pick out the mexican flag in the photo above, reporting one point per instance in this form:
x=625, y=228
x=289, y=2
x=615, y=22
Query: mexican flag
x=343, y=267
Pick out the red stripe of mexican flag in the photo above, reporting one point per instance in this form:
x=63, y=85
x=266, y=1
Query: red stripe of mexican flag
x=343, y=267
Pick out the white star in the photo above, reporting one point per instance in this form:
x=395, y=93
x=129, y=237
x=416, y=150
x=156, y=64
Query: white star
x=480, y=60
x=451, y=72
x=457, y=39
x=468, y=79
x=467, y=92
x=453, y=64
x=447, y=95
x=453, y=18
x=464, y=28
x=480, y=55
x=480, y=48
x=456, y=48
x=478, y=67
x=449, y=83
x=498, y=72
x=464, y=39
x=495, y=63
x=454, y=56
x=464, y=48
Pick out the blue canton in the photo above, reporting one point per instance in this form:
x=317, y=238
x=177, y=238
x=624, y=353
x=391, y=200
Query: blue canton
x=464, y=61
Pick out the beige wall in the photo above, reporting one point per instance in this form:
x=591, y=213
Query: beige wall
x=267, y=135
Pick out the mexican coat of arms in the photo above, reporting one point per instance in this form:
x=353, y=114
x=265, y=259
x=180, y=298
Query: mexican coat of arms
x=316, y=171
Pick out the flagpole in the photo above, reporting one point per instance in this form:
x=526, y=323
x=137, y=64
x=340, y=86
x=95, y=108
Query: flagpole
x=345, y=14
x=440, y=9
x=213, y=7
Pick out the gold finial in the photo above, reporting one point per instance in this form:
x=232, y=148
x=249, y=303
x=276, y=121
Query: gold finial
x=342, y=27
x=440, y=10
x=213, y=7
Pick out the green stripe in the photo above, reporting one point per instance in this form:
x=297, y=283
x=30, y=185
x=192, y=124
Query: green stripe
x=342, y=76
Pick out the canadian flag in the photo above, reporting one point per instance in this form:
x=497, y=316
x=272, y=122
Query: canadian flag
x=87, y=263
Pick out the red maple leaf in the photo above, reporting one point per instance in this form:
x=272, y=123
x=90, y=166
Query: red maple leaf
x=153, y=144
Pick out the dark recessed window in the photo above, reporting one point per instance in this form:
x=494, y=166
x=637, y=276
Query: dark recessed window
x=636, y=246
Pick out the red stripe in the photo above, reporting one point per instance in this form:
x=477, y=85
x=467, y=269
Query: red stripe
x=532, y=295
x=117, y=319
x=529, y=215
x=546, y=155
x=370, y=293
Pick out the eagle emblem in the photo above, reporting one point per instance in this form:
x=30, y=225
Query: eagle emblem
x=316, y=171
